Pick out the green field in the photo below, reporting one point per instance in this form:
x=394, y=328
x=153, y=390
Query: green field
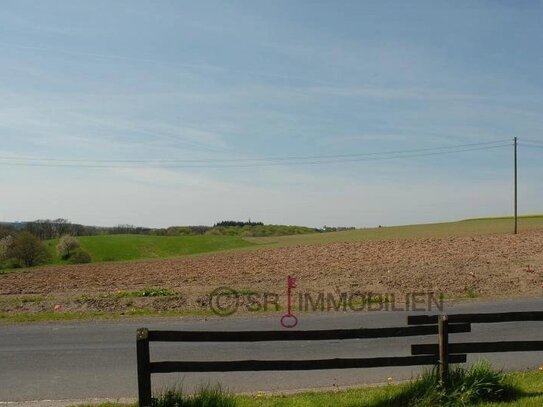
x=530, y=385
x=134, y=247
x=467, y=227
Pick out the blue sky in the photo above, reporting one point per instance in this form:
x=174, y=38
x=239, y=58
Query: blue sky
x=172, y=80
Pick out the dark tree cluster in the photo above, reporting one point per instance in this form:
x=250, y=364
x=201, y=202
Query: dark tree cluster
x=181, y=231
x=230, y=223
x=128, y=229
x=46, y=229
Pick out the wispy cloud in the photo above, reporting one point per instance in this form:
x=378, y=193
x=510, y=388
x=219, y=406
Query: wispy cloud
x=135, y=81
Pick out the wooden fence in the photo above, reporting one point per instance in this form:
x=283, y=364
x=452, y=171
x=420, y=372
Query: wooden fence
x=441, y=353
x=446, y=351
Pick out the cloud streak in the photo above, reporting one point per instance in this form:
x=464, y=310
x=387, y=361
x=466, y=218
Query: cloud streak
x=221, y=81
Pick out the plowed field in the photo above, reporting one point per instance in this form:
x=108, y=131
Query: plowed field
x=484, y=265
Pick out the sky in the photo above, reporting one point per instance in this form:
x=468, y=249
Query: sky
x=185, y=113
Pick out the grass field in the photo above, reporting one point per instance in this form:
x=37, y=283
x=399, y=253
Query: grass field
x=530, y=384
x=134, y=247
x=467, y=227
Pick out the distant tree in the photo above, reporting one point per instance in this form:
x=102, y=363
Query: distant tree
x=6, y=247
x=77, y=230
x=7, y=230
x=66, y=245
x=61, y=227
x=49, y=229
x=29, y=250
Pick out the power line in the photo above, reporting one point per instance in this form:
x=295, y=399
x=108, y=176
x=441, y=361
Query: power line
x=532, y=141
x=531, y=145
x=256, y=159
x=287, y=158
x=317, y=160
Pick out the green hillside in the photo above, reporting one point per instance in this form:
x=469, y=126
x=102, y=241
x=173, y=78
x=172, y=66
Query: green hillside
x=466, y=227
x=133, y=247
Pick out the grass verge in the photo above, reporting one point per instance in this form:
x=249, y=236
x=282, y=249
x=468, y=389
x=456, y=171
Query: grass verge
x=8, y=318
x=479, y=386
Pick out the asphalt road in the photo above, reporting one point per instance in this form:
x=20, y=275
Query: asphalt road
x=60, y=361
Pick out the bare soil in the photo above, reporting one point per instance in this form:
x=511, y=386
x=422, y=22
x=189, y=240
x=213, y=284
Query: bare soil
x=484, y=265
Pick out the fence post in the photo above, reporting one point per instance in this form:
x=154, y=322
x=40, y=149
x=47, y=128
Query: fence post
x=144, y=369
x=443, y=332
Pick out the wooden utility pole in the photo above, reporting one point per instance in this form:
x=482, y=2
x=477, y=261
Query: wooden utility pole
x=516, y=209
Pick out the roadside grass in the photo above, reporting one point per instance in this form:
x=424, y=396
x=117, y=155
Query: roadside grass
x=121, y=305
x=208, y=396
x=7, y=317
x=468, y=227
x=146, y=292
x=466, y=386
x=21, y=317
x=479, y=385
x=530, y=385
x=23, y=299
x=131, y=310
x=103, y=248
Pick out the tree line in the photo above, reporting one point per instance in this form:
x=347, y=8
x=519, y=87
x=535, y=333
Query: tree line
x=46, y=229
x=21, y=248
x=228, y=223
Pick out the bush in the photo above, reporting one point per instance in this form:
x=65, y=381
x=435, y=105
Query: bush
x=467, y=386
x=66, y=245
x=29, y=250
x=80, y=256
x=11, y=263
x=6, y=246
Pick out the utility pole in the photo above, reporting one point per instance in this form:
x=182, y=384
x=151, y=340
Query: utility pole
x=516, y=208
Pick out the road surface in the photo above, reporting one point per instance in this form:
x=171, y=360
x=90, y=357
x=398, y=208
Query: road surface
x=97, y=360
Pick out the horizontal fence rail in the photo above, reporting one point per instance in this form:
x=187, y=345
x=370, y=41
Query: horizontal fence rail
x=478, y=318
x=274, y=365
x=480, y=347
x=316, y=335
